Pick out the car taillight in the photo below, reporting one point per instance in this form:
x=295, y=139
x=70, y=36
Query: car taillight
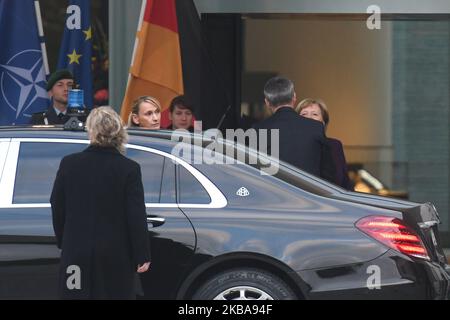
x=395, y=234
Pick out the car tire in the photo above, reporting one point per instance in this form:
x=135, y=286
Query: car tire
x=244, y=284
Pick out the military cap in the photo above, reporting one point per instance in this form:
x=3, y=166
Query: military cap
x=58, y=75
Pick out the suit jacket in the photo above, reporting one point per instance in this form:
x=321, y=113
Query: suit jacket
x=302, y=142
x=99, y=219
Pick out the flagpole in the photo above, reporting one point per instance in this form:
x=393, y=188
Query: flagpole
x=136, y=43
x=37, y=8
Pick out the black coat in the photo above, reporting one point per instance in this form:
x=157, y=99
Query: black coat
x=302, y=142
x=99, y=218
x=342, y=178
x=190, y=129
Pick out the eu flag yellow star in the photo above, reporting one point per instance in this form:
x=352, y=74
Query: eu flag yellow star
x=74, y=57
x=88, y=34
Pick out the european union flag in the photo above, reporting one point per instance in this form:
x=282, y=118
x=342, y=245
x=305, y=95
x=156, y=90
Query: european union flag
x=76, y=50
x=22, y=64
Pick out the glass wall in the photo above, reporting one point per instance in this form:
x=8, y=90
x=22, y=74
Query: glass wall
x=387, y=91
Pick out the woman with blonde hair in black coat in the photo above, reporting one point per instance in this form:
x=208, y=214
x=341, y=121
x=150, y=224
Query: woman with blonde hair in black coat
x=317, y=110
x=99, y=215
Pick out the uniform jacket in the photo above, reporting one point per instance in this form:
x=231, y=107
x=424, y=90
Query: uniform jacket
x=48, y=117
x=99, y=219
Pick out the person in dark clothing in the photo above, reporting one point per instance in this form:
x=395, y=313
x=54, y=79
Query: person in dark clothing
x=316, y=109
x=181, y=114
x=99, y=215
x=302, y=141
x=58, y=86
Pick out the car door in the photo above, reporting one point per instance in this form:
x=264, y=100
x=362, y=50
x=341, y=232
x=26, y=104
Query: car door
x=171, y=234
x=29, y=257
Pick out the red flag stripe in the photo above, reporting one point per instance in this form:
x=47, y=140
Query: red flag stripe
x=162, y=13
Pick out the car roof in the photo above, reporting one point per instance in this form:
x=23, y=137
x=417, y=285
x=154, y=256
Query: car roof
x=166, y=140
x=59, y=131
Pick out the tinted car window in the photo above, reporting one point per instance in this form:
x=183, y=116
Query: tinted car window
x=152, y=172
x=168, y=194
x=190, y=189
x=36, y=169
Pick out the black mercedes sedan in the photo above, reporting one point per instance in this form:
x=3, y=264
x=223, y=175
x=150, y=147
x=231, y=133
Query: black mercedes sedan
x=225, y=230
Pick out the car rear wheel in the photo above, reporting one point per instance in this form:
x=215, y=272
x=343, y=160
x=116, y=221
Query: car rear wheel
x=244, y=284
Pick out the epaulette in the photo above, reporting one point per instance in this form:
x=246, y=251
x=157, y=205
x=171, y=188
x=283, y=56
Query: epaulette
x=41, y=117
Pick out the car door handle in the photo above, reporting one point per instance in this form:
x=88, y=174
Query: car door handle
x=155, y=221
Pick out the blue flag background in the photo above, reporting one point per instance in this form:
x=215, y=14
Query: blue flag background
x=76, y=48
x=22, y=73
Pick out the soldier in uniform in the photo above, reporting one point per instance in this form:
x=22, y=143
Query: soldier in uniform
x=58, y=86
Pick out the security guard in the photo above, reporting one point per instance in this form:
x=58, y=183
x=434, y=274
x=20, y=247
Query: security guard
x=58, y=86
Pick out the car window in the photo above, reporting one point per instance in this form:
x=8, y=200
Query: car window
x=191, y=191
x=36, y=169
x=152, y=166
x=168, y=194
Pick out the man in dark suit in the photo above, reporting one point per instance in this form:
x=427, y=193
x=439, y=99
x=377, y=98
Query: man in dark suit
x=302, y=141
x=58, y=86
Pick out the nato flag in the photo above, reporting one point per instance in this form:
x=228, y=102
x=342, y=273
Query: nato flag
x=76, y=49
x=22, y=75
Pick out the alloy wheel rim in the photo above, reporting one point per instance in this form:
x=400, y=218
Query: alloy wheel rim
x=243, y=293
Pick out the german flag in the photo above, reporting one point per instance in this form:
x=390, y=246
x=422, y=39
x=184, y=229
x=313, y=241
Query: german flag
x=156, y=68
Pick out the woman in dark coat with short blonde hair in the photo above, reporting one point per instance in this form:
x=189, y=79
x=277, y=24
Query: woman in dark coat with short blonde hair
x=317, y=109
x=99, y=215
